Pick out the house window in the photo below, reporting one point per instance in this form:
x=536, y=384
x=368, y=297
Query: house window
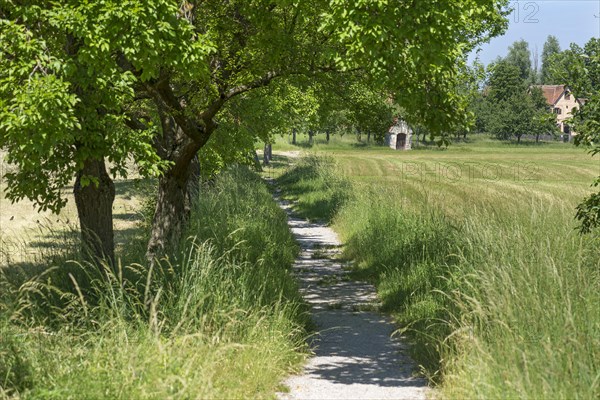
x=557, y=111
x=567, y=96
x=566, y=129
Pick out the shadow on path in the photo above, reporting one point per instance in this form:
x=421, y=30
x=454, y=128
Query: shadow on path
x=354, y=354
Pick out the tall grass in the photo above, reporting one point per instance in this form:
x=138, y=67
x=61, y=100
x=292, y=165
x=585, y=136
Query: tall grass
x=529, y=296
x=409, y=257
x=319, y=184
x=498, y=302
x=223, y=319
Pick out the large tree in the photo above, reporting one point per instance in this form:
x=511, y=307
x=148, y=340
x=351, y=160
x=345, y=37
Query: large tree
x=63, y=110
x=580, y=69
x=511, y=108
x=575, y=66
x=163, y=72
x=587, y=125
x=520, y=56
x=522, y=114
x=504, y=81
x=551, y=47
x=543, y=120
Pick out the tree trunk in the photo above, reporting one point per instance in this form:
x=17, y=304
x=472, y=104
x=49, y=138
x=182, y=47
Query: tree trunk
x=518, y=139
x=257, y=165
x=170, y=215
x=294, y=136
x=266, y=154
x=537, y=138
x=310, y=137
x=369, y=137
x=94, y=208
x=175, y=188
x=327, y=135
x=193, y=182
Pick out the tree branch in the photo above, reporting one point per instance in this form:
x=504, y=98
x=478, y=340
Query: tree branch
x=264, y=81
x=216, y=105
x=134, y=123
x=163, y=93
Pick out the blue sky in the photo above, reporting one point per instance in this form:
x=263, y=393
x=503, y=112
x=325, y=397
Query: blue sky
x=569, y=20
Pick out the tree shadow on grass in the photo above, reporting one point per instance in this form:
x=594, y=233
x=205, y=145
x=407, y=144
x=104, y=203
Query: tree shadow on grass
x=279, y=162
x=321, y=210
x=526, y=143
x=60, y=248
x=133, y=217
x=129, y=188
x=59, y=266
x=304, y=145
x=367, y=145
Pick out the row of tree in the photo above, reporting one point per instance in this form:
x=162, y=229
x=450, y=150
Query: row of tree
x=505, y=99
x=505, y=102
x=86, y=86
x=521, y=56
x=507, y=106
x=557, y=65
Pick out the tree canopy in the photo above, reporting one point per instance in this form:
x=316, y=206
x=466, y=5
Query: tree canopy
x=85, y=82
x=63, y=101
x=551, y=47
x=509, y=106
x=581, y=69
x=416, y=51
x=505, y=81
x=520, y=56
x=575, y=66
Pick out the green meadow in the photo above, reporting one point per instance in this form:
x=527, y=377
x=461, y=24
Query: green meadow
x=475, y=251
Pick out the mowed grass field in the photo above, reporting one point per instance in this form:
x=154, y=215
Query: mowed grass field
x=474, y=250
x=479, y=173
x=29, y=236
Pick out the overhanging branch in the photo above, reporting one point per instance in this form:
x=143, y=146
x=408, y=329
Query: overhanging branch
x=163, y=93
x=134, y=123
x=264, y=81
x=228, y=94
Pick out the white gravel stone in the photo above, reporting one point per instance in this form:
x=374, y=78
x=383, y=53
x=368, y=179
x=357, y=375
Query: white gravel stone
x=355, y=356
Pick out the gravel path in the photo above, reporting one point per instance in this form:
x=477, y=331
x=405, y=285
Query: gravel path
x=354, y=356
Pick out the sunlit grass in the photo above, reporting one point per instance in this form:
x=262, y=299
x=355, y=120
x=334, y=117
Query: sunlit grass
x=484, y=270
x=29, y=236
x=220, y=319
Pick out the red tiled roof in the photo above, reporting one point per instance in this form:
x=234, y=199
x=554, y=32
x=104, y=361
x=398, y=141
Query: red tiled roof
x=552, y=92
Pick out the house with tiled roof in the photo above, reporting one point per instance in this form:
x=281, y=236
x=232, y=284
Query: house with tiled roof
x=562, y=103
